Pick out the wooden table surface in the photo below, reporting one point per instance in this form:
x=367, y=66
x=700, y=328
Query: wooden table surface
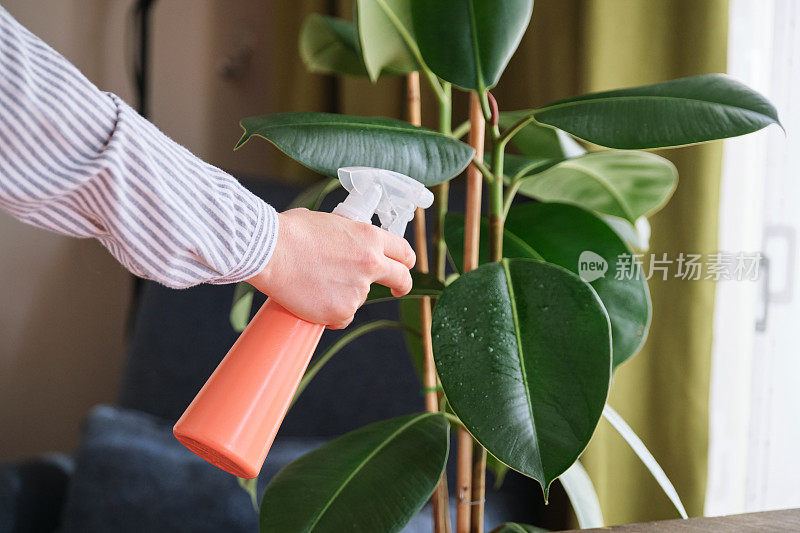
x=769, y=521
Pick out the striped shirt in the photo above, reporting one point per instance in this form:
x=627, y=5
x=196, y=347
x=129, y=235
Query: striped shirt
x=81, y=162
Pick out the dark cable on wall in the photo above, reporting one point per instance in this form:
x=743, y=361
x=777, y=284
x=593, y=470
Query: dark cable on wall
x=141, y=72
x=141, y=18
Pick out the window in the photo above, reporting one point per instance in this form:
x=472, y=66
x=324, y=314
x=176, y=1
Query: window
x=754, y=462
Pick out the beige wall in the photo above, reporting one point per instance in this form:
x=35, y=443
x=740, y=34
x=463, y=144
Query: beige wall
x=65, y=301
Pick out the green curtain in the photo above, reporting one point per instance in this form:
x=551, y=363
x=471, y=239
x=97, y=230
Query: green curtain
x=663, y=392
x=575, y=46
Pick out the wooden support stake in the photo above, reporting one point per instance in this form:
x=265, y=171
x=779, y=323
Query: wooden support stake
x=472, y=226
x=439, y=498
x=472, y=222
x=478, y=488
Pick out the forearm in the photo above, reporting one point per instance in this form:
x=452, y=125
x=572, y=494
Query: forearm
x=81, y=162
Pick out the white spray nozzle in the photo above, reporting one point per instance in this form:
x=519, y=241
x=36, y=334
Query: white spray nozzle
x=393, y=196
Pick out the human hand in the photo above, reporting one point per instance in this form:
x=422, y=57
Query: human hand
x=323, y=265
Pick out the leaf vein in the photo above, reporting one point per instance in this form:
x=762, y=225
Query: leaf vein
x=361, y=465
x=524, y=374
x=645, y=98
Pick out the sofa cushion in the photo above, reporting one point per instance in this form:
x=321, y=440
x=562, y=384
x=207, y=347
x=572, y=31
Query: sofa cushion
x=131, y=475
x=32, y=493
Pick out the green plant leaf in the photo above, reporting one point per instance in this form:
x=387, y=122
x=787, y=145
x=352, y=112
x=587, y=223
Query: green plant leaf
x=386, y=36
x=422, y=285
x=328, y=46
x=250, y=486
x=242, y=306
x=560, y=234
x=673, y=113
x=636, y=235
x=514, y=246
x=372, y=479
x=582, y=496
x=522, y=166
x=514, y=527
x=628, y=185
x=645, y=456
x=325, y=142
x=523, y=351
x=540, y=141
x=469, y=42
x=314, y=194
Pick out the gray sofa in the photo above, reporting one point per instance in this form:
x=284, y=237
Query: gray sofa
x=129, y=473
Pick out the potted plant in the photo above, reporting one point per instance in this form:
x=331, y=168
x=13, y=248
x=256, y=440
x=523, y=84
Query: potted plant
x=518, y=347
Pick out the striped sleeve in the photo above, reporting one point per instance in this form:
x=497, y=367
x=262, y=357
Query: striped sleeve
x=81, y=162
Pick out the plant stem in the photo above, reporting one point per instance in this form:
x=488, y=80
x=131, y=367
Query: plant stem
x=441, y=192
x=337, y=346
x=446, y=109
x=472, y=225
x=496, y=204
x=438, y=88
x=509, y=195
x=441, y=195
x=461, y=130
x=524, y=174
x=514, y=129
x=453, y=419
x=483, y=169
x=439, y=498
x=485, y=106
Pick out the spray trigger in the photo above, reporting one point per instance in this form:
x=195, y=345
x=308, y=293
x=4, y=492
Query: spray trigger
x=392, y=196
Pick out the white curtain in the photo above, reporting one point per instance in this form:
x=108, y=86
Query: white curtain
x=754, y=448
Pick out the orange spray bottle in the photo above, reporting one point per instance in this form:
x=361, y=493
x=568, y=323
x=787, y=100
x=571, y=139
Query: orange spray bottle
x=233, y=420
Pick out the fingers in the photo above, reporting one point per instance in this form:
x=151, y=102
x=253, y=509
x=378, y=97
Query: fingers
x=395, y=276
x=341, y=325
x=348, y=305
x=397, y=248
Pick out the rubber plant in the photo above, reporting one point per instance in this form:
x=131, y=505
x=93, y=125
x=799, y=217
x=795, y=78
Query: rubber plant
x=518, y=352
